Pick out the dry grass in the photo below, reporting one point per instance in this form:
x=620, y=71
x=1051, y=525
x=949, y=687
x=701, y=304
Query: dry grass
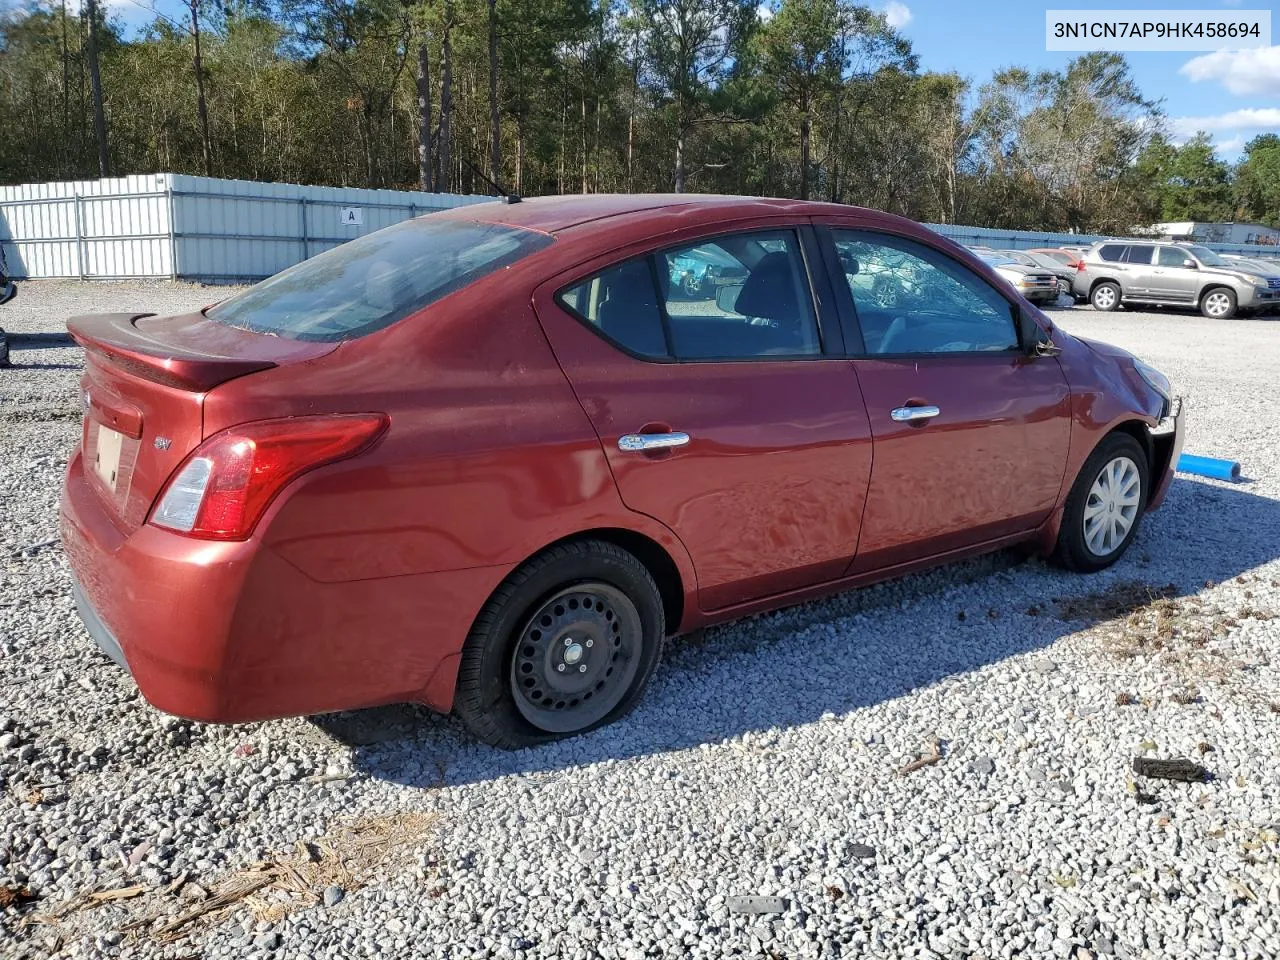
x=1138, y=620
x=271, y=889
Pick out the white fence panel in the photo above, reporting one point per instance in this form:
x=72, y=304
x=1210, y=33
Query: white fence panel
x=233, y=230
x=110, y=228
x=183, y=227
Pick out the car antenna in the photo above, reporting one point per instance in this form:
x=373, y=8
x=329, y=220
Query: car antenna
x=506, y=197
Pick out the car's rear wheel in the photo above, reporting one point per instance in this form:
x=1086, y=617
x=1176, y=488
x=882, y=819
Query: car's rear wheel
x=691, y=285
x=566, y=644
x=1105, y=296
x=1105, y=506
x=1218, y=303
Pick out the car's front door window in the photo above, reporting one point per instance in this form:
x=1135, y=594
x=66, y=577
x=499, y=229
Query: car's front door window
x=1172, y=257
x=911, y=299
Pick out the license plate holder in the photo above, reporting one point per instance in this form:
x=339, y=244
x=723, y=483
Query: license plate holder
x=106, y=459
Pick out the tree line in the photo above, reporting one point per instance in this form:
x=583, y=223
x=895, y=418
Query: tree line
x=819, y=99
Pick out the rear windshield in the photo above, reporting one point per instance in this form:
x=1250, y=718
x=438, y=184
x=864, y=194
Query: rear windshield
x=376, y=280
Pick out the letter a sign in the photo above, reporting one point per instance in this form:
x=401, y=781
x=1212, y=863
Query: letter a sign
x=351, y=216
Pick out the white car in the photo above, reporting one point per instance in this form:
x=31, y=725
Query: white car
x=1038, y=285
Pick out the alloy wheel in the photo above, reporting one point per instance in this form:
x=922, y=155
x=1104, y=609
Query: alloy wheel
x=1217, y=304
x=1112, y=506
x=576, y=657
x=1104, y=298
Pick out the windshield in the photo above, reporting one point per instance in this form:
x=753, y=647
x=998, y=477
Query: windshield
x=372, y=282
x=1207, y=257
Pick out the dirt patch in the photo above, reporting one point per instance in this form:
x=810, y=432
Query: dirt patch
x=1119, y=600
x=270, y=890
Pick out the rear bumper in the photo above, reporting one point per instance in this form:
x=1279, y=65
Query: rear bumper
x=231, y=632
x=98, y=630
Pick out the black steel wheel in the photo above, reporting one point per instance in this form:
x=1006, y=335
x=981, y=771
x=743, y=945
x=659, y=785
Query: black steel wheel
x=566, y=644
x=576, y=657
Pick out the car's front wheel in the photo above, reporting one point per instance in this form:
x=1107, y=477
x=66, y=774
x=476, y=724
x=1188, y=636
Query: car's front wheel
x=1218, y=304
x=566, y=644
x=1105, y=505
x=1105, y=296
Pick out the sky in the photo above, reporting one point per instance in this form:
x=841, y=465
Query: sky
x=1233, y=95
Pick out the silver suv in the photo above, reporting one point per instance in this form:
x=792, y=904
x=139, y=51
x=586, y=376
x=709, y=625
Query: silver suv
x=1173, y=274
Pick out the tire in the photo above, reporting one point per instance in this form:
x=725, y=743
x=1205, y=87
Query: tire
x=1077, y=549
x=506, y=647
x=1218, y=303
x=690, y=285
x=1105, y=296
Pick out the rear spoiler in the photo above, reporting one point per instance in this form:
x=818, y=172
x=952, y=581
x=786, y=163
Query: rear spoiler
x=116, y=338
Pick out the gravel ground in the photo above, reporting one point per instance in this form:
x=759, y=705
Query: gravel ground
x=766, y=760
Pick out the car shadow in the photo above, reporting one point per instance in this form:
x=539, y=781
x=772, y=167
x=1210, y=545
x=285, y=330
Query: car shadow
x=846, y=652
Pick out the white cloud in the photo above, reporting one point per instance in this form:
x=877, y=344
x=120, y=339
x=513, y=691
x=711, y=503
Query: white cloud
x=1231, y=146
x=1244, y=72
x=1251, y=118
x=896, y=14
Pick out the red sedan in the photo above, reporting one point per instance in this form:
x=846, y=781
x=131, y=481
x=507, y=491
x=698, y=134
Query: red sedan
x=490, y=459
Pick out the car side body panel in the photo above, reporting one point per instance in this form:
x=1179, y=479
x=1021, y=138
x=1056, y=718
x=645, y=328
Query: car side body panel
x=363, y=577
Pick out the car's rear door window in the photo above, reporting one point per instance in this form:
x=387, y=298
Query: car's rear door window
x=622, y=304
x=374, y=281
x=736, y=297
x=753, y=301
x=1140, y=253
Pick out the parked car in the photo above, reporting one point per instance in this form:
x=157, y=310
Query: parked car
x=1060, y=254
x=699, y=272
x=485, y=461
x=883, y=276
x=1174, y=274
x=1038, y=261
x=8, y=289
x=1035, y=283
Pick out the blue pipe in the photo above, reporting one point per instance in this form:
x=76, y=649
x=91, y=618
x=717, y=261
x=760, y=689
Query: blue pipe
x=1209, y=467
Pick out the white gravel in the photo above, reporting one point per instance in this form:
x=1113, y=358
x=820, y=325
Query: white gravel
x=764, y=761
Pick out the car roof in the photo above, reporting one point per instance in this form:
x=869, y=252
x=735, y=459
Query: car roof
x=561, y=213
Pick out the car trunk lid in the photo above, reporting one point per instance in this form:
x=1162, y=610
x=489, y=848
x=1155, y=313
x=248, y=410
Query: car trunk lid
x=143, y=392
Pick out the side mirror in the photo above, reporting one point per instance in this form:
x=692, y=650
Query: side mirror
x=727, y=297
x=1190, y=265
x=1035, y=340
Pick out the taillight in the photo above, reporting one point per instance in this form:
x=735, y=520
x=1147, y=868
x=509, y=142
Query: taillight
x=1079, y=266
x=226, y=483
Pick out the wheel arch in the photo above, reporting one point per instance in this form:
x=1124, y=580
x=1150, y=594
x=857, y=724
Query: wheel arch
x=1139, y=431
x=1047, y=536
x=1095, y=283
x=655, y=557
x=1210, y=286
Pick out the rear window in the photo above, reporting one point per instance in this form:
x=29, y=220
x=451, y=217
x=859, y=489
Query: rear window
x=1111, y=252
x=372, y=282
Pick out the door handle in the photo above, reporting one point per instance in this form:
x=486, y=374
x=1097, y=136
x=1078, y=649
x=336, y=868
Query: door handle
x=641, y=442
x=907, y=414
